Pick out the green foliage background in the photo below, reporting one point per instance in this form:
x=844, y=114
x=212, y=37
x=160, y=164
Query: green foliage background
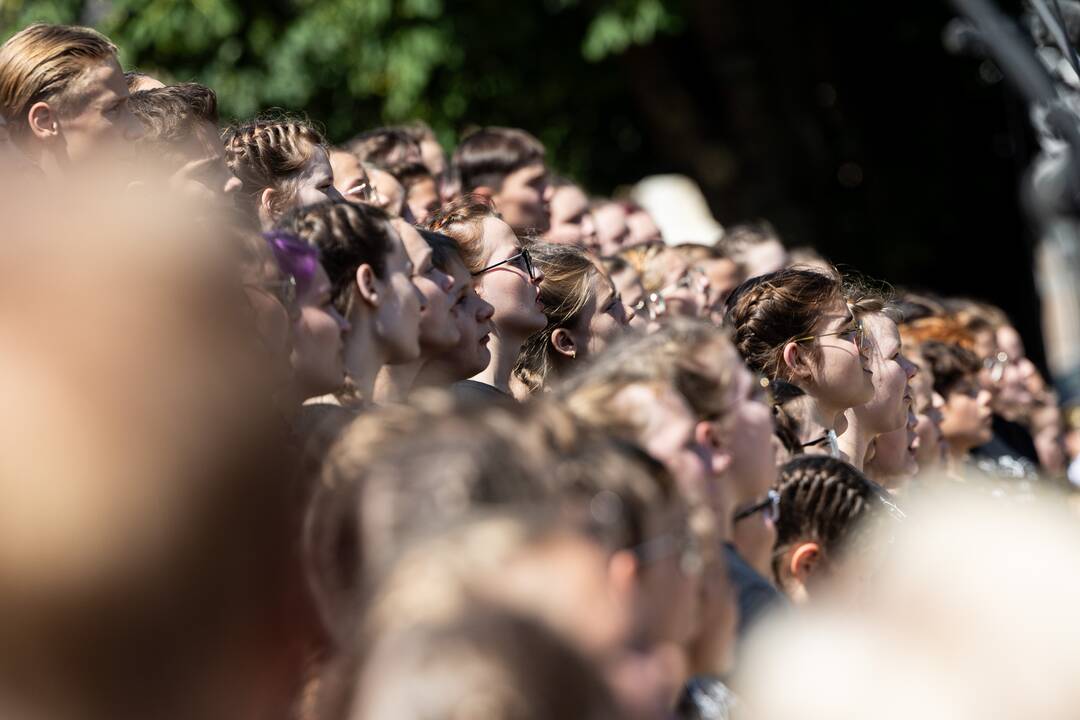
x=551, y=66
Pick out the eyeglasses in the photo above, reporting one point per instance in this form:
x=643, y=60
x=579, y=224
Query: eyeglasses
x=684, y=544
x=996, y=365
x=652, y=305
x=522, y=261
x=365, y=192
x=769, y=507
x=284, y=291
x=856, y=332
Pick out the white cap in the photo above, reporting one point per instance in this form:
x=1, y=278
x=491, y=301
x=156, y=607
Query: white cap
x=677, y=206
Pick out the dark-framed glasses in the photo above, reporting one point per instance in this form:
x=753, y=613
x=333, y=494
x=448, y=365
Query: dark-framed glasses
x=522, y=261
x=769, y=507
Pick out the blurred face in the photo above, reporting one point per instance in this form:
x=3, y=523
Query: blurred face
x=433, y=156
x=1011, y=372
x=317, y=358
x=966, y=416
x=840, y=376
x=684, y=289
x=888, y=409
x=610, y=317
x=612, y=232
x=747, y=433
x=723, y=276
x=931, y=448
x=508, y=287
x=397, y=319
x=764, y=258
x=422, y=199
x=522, y=200
x=667, y=434
x=316, y=182
x=643, y=229
x=472, y=317
x=571, y=222
x=388, y=192
x=97, y=123
x=438, y=329
x=351, y=179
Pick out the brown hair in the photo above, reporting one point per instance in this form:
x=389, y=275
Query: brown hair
x=171, y=114
x=565, y=291
x=950, y=364
x=270, y=154
x=393, y=150
x=769, y=311
x=463, y=220
x=42, y=63
x=945, y=329
x=696, y=252
x=487, y=156
x=347, y=235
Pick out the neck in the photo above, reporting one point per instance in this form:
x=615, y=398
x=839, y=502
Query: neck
x=363, y=357
x=394, y=382
x=856, y=439
x=504, y=354
x=824, y=416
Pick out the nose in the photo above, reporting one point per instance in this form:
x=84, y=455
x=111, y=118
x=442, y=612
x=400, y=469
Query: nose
x=628, y=313
x=447, y=281
x=538, y=276
x=484, y=311
x=910, y=368
x=985, y=396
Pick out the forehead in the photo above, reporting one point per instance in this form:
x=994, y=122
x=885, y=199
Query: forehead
x=102, y=77
x=527, y=173
x=346, y=165
x=414, y=243
x=882, y=329
x=569, y=198
x=497, y=234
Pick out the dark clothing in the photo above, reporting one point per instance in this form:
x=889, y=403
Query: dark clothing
x=471, y=391
x=1010, y=453
x=755, y=594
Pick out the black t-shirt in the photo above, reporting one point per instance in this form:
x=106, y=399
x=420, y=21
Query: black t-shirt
x=471, y=391
x=755, y=594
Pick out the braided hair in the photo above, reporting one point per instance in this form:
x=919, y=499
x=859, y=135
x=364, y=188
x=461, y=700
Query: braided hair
x=823, y=500
x=347, y=235
x=270, y=154
x=768, y=311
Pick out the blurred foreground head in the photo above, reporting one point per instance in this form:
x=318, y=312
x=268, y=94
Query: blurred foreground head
x=143, y=507
x=970, y=613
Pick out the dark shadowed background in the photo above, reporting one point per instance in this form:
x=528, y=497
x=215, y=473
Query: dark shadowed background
x=844, y=122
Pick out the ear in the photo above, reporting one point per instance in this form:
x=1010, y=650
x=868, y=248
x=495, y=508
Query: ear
x=706, y=435
x=794, y=360
x=623, y=572
x=367, y=285
x=43, y=120
x=266, y=200
x=804, y=560
x=563, y=342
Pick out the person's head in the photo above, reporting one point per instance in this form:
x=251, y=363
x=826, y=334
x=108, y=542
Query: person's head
x=584, y=313
x=318, y=328
x=139, y=81
x=719, y=275
x=643, y=229
x=389, y=193
x=1013, y=372
x=966, y=414
x=930, y=446
x=438, y=328
x=892, y=462
x=571, y=222
x=370, y=275
x=483, y=661
x=281, y=164
x=64, y=97
x=627, y=282
x=499, y=264
x=794, y=325
x=887, y=410
x=431, y=149
x=470, y=313
x=181, y=128
x=506, y=165
x=351, y=178
x=395, y=151
x=822, y=502
x=755, y=247
x=612, y=232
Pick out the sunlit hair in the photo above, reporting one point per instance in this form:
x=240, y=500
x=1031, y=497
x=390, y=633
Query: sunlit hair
x=485, y=157
x=463, y=220
x=769, y=311
x=444, y=250
x=823, y=500
x=270, y=154
x=944, y=329
x=696, y=252
x=347, y=235
x=976, y=316
x=171, y=115
x=43, y=63
x=565, y=291
x=393, y=150
x=649, y=262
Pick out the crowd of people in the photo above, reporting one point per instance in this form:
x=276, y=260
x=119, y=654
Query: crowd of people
x=371, y=431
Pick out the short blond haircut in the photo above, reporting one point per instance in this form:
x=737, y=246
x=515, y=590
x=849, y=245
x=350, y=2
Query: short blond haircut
x=42, y=63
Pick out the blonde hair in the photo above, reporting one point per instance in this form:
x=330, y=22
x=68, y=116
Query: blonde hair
x=42, y=63
x=565, y=291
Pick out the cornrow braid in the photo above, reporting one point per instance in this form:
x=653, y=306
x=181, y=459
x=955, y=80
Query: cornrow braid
x=822, y=500
x=270, y=154
x=347, y=235
x=769, y=311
